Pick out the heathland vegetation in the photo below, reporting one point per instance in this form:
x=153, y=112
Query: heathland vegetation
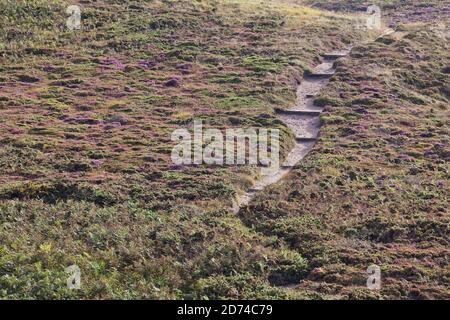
x=86, y=177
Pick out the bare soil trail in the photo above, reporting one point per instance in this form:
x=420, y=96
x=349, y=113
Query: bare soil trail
x=304, y=121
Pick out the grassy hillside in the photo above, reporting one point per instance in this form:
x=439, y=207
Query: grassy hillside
x=86, y=177
x=85, y=124
x=375, y=188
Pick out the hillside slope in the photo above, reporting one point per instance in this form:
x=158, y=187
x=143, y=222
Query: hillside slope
x=85, y=123
x=375, y=189
x=86, y=178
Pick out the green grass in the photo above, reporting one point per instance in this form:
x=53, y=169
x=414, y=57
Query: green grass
x=86, y=118
x=375, y=188
x=86, y=176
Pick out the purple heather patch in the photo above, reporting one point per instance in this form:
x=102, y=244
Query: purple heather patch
x=83, y=120
x=16, y=131
x=174, y=81
x=107, y=61
x=147, y=64
x=97, y=162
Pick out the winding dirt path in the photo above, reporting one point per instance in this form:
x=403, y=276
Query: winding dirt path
x=304, y=121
